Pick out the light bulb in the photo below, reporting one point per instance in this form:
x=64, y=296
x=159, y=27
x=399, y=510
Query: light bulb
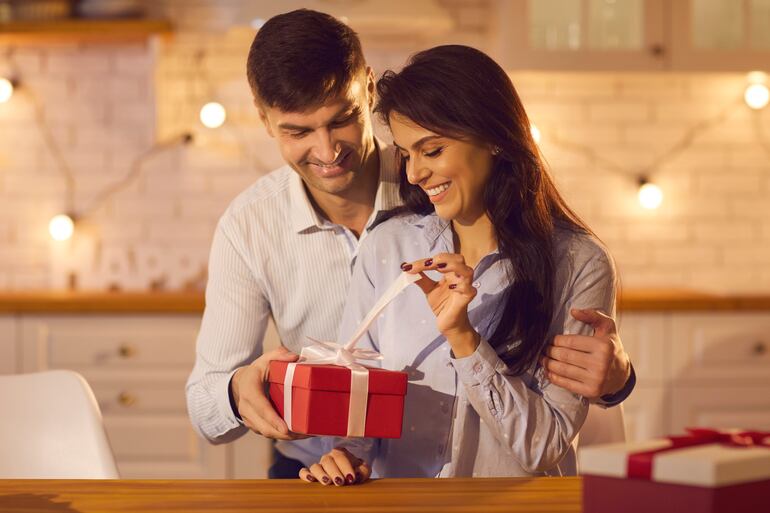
x=650, y=195
x=535, y=131
x=213, y=115
x=757, y=96
x=6, y=90
x=61, y=227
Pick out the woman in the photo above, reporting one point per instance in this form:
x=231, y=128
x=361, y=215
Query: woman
x=502, y=260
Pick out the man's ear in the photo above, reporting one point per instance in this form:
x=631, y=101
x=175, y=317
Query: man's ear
x=263, y=117
x=371, y=88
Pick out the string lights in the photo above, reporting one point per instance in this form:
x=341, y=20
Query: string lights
x=650, y=195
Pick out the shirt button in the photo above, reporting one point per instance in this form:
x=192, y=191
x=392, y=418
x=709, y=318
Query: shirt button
x=477, y=284
x=477, y=367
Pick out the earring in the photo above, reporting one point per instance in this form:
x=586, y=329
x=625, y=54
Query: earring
x=496, y=151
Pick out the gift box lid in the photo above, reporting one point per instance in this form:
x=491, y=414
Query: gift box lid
x=335, y=378
x=711, y=465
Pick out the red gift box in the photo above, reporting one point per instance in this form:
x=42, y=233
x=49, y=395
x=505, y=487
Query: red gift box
x=705, y=471
x=321, y=399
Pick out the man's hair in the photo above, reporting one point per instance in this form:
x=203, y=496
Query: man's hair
x=301, y=59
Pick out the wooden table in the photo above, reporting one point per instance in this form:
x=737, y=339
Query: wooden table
x=386, y=495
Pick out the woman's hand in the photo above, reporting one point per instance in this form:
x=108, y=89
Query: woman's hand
x=338, y=466
x=449, y=298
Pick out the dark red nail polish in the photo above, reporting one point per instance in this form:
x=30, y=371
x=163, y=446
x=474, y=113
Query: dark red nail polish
x=403, y=264
x=429, y=262
x=311, y=479
x=441, y=265
x=325, y=480
x=338, y=481
x=406, y=267
x=350, y=478
x=453, y=286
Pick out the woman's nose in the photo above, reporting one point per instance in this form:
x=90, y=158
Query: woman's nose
x=415, y=173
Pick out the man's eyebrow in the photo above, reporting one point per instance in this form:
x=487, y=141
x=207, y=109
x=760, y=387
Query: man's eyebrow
x=347, y=109
x=419, y=142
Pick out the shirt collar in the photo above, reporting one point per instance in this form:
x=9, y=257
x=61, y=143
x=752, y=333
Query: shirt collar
x=304, y=216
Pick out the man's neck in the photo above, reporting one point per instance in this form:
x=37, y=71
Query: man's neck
x=352, y=208
x=474, y=239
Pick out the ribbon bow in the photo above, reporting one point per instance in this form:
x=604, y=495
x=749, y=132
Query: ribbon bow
x=640, y=463
x=347, y=355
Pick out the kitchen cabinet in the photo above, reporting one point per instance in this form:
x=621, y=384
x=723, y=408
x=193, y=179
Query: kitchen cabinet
x=137, y=366
x=699, y=361
x=8, y=362
x=632, y=35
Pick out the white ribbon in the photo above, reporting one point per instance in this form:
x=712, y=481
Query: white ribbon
x=346, y=355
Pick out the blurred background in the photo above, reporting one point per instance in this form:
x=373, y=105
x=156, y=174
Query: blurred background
x=127, y=126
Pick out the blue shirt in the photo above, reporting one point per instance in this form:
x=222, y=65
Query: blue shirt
x=469, y=416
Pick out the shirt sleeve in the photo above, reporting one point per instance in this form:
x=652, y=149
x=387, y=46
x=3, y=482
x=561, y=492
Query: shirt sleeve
x=534, y=418
x=231, y=335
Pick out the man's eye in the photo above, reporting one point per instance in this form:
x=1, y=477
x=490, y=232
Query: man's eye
x=435, y=153
x=298, y=135
x=405, y=157
x=343, y=122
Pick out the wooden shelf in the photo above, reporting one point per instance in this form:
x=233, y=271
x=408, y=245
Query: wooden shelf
x=76, y=30
x=192, y=302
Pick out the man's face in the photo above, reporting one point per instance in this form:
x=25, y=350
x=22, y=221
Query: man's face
x=327, y=145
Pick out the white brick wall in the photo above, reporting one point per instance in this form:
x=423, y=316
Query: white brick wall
x=106, y=104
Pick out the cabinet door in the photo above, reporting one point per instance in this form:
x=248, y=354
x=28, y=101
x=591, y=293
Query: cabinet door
x=726, y=35
x=643, y=337
x=729, y=348
x=645, y=413
x=720, y=407
x=137, y=367
x=8, y=362
x=580, y=34
x=252, y=454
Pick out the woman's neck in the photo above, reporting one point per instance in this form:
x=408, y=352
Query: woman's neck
x=474, y=239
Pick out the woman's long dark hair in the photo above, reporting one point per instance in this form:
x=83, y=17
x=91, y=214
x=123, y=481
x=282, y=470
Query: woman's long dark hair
x=461, y=93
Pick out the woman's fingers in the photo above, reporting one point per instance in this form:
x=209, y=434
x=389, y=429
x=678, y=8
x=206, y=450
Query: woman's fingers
x=329, y=465
x=320, y=474
x=363, y=472
x=344, y=461
x=306, y=476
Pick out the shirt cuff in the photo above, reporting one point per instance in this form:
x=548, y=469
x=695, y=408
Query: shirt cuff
x=478, y=367
x=227, y=406
x=621, y=395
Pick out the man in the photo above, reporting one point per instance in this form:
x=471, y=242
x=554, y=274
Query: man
x=286, y=246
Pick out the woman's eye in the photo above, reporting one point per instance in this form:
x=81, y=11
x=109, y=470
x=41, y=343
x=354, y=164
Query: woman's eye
x=434, y=153
x=405, y=157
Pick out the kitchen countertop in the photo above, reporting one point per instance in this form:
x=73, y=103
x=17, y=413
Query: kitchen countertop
x=193, y=302
x=491, y=495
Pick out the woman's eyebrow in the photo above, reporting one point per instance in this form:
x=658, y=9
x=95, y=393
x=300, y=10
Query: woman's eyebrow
x=419, y=142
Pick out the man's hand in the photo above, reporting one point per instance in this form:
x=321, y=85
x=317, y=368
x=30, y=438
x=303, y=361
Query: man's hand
x=590, y=366
x=248, y=388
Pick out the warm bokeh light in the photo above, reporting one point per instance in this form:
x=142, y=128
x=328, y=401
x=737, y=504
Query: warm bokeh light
x=535, y=131
x=757, y=96
x=213, y=115
x=61, y=227
x=650, y=196
x=6, y=90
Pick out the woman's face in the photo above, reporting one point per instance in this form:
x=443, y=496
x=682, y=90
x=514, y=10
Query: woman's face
x=453, y=173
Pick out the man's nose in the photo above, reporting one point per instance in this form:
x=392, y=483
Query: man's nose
x=328, y=149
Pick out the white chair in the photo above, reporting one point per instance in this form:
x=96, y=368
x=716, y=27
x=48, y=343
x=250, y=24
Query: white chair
x=51, y=428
